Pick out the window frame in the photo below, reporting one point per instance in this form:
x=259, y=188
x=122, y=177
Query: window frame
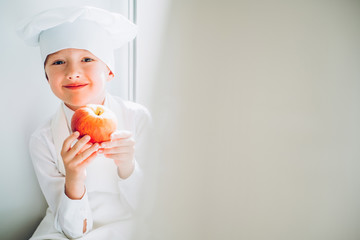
x=132, y=51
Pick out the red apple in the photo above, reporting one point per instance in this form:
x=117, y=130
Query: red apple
x=94, y=120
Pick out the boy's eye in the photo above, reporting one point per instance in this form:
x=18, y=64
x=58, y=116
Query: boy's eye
x=88, y=60
x=58, y=62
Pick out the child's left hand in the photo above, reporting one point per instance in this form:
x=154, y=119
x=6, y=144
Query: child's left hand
x=121, y=149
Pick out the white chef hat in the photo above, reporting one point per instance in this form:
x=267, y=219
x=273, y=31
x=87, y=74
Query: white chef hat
x=96, y=30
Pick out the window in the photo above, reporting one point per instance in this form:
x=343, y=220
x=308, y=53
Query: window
x=124, y=84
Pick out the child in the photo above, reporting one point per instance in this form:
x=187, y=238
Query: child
x=91, y=189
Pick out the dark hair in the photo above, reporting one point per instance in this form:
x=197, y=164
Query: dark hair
x=44, y=67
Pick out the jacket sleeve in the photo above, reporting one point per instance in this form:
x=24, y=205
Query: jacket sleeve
x=131, y=187
x=69, y=214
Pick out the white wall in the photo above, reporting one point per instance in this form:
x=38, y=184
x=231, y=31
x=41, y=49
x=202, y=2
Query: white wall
x=257, y=109
x=27, y=102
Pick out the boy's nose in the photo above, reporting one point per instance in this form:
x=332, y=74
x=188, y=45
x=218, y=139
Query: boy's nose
x=73, y=76
x=72, y=72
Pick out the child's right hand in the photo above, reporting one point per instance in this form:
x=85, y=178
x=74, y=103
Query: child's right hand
x=76, y=158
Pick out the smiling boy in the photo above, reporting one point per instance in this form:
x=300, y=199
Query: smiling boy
x=91, y=189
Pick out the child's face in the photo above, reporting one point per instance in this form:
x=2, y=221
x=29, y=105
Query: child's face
x=77, y=77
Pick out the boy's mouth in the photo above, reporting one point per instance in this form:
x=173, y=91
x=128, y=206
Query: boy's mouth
x=75, y=86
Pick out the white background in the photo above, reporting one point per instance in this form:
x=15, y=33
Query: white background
x=257, y=106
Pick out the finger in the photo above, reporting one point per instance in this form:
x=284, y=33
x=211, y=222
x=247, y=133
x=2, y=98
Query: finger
x=86, y=146
x=87, y=153
x=122, y=157
x=119, y=156
x=118, y=143
x=117, y=150
x=78, y=146
x=120, y=134
x=69, y=140
x=88, y=160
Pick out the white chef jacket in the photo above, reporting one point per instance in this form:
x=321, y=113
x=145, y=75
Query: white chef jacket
x=109, y=201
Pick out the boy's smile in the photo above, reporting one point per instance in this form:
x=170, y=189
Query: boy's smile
x=77, y=77
x=75, y=86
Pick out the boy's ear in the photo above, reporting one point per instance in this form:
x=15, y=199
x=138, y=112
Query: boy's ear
x=110, y=76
